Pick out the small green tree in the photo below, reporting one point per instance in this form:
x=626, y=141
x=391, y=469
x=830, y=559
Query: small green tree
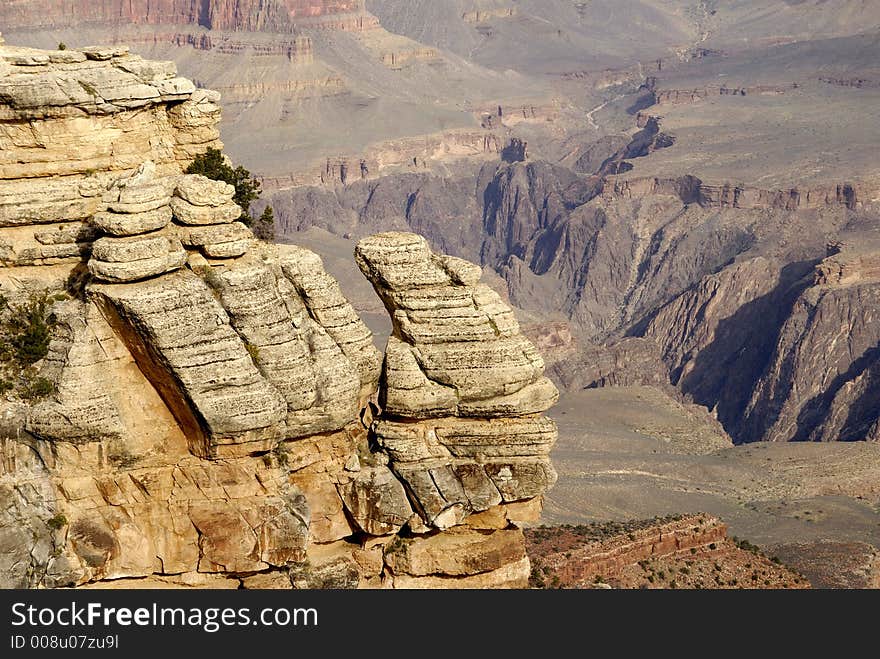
x=26, y=329
x=264, y=227
x=62, y=46
x=213, y=165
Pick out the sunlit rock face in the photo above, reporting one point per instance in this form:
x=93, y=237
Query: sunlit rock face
x=208, y=409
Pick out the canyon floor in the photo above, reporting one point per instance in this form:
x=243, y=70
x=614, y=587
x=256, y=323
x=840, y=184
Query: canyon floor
x=633, y=452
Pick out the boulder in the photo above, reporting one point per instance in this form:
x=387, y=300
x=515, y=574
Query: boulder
x=132, y=224
x=187, y=213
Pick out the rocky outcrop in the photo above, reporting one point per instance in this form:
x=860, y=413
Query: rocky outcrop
x=406, y=155
x=203, y=413
x=692, y=190
x=74, y=120
x=138, y=208
x=684, y=96
x=763, y=347
x=207, y=213
x=678, y=552
x=482, y=15
x=462, y=391
x=822, y=379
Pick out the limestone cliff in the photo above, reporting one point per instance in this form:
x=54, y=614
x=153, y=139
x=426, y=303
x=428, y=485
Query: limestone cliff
x=209, y=410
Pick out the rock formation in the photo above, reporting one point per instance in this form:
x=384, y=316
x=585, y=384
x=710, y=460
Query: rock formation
x=203, y=416
x=462, y=390
x=138, y=209
x=692, y=551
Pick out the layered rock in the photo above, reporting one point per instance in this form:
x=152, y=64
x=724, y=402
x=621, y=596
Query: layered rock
x=765, y=346
x=207, y=211
x=138, y=208
x=821, y=383
x=683, y=552
x=462, y=390
x=204, y=414
x=231, y=15
x=73, y=123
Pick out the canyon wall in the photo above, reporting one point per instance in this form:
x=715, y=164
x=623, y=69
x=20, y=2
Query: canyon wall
x=716, y=289
x=184, y=405
x=227, y=15
x=17, y=14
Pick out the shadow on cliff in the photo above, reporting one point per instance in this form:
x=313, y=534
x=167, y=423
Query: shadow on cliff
x=862, y=413
x=724, y=373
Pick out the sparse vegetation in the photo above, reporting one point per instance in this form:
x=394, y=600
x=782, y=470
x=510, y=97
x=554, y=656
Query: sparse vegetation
x=214, y=165
x=281, y=454
x=264, y=227
x=37, y=389
x=254, y=352
x=56, y=522
x=26, y=330
x=536, y=579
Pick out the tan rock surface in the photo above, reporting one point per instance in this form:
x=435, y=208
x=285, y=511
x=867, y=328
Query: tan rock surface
x=161, y=255
x=132, y=224
x=458, y=365
x=458, y=552
x=512, y=575
x=205, y=399
x=228, y=250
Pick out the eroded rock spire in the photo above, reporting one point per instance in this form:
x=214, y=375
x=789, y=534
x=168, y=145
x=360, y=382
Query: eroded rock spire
x=462, y=390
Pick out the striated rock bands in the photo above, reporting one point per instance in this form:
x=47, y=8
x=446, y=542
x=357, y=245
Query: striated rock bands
x=212, y=14
x=185, y=334
x=456, y=347
x=209, y=206
x=77, y=127
x=461, y=389
x=204, y=414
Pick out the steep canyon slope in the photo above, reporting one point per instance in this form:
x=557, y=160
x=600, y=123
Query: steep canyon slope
x=730, y=224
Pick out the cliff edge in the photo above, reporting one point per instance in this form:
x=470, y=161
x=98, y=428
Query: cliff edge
x=184, y=405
